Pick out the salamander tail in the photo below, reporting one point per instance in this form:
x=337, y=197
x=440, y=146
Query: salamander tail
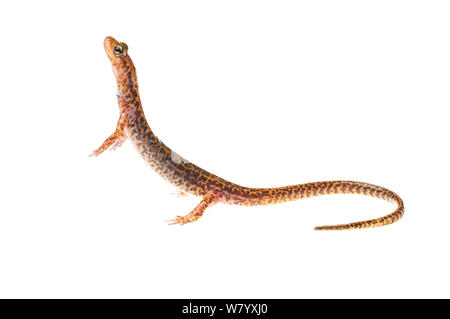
x=294, y=192
x=370, y=190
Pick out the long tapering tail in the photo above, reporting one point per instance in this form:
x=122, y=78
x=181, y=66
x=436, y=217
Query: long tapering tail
x=268, y=196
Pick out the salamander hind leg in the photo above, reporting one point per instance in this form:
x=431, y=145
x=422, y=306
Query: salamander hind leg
x=116, y=139
x=197, y=212
x=179, y=193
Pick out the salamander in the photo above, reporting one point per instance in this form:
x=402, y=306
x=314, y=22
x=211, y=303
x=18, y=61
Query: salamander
x=194, y=180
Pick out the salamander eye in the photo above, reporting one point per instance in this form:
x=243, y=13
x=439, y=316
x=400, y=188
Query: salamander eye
x=121, y=49
x=118, y=50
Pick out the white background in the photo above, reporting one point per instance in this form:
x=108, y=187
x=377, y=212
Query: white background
x=263, y=93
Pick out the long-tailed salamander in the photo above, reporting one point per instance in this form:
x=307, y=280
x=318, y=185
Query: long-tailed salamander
x=194, y=180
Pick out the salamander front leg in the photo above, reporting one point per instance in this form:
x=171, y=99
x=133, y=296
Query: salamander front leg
x=117, y=138
x=197, y=212
x=122, y=138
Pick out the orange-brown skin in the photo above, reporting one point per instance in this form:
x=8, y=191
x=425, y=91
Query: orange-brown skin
x=192, y=179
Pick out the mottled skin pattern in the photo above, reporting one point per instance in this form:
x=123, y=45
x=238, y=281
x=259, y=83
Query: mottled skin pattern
x=194, y=180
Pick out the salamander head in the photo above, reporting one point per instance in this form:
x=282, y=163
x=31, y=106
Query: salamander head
x=116, y=51
x=122, y=65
